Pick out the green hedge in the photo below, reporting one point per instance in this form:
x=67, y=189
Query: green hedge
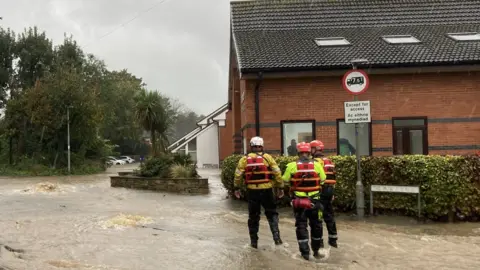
x=449, y=184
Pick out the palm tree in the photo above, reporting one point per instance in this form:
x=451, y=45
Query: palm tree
x=153, y=112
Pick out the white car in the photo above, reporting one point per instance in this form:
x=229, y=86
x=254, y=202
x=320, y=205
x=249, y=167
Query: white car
x=116, y=161
x=127, y=159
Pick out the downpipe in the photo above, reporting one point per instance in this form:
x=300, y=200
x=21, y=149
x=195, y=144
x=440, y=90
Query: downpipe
x=257, y=103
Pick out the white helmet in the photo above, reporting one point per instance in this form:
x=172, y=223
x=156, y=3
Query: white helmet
x=256, y=141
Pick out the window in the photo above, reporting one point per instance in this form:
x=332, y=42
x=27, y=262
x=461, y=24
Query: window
x=332, y=41
x=181, y=150
x=410, y=136
x=467, y=36
x=346, y=142
x=293, y=132
x=400, y=39
x=192, y=149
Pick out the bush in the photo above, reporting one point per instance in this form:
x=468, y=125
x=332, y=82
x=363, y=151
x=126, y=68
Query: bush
x=169, y=165
x=28, y=167
x=447, y=183
x=181, y=171
x=182, y=159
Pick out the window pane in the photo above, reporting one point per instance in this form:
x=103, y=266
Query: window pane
x=294, y=133
x=408, y=122
x=192, y=145
x=346, y=140
x=399, y=142
x=181, y=151
x=193, y=154
x=416, y=142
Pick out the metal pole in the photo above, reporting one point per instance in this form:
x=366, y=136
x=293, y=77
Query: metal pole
x=68, y=137
x=360, y=195
x=371, y=203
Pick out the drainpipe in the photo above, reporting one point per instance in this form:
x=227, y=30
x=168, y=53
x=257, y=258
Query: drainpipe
x=257, y=103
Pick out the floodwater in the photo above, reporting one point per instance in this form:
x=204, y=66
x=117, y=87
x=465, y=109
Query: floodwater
x=82, y=223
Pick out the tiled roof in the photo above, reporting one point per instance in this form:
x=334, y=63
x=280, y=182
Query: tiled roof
x=279, y=35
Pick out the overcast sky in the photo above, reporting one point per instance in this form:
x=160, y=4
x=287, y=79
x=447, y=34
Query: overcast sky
x=179, y=47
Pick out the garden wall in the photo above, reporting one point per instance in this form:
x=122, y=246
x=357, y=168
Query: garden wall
x=183, y=186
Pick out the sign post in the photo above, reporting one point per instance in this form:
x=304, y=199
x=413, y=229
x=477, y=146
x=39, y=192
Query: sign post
x=356, y=82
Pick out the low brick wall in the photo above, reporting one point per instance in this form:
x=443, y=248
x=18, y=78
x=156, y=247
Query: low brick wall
x=190, y=186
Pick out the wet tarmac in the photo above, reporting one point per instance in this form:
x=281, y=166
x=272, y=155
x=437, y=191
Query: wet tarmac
x=81, y=222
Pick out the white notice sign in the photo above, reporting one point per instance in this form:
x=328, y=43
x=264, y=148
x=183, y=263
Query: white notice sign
x=395, y=189
x=357, y=112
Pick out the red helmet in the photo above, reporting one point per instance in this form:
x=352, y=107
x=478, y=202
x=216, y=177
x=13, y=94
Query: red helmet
x=304, y=147
x=317, y=145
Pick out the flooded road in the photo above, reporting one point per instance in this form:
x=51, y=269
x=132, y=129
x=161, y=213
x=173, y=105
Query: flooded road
x=82, y=223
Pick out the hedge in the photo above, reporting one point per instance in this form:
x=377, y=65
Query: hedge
x=448, y=184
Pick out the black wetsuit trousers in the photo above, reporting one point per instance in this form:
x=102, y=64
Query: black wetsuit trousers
x=258, y=198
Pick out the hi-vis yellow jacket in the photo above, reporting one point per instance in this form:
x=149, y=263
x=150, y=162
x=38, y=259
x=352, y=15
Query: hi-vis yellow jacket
x=292, y=169
x=269, y=162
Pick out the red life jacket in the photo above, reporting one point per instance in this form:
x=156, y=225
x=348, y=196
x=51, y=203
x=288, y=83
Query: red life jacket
x=329, y=169
x=306, y=179
x=256, y=171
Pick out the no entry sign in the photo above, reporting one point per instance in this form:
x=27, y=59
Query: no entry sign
x=355, y=81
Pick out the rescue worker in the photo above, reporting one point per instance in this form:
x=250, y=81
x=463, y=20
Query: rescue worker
x=306, y=178
x=327, y=195
x=261, y=174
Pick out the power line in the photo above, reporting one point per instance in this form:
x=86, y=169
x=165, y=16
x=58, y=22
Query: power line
x=129, y=21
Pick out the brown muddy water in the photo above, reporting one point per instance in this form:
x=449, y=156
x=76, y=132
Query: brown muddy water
x=82, y=223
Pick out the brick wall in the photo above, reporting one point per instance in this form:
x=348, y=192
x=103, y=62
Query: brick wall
x=436, y=95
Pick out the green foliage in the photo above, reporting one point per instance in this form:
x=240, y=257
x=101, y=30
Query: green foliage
x=166, y=165
x=182, y=159
x=447, y=183
x=183, y=171
x=28, y=167
x=158, y=166
x=108, y=110
x=229, y=164
x=154, y=112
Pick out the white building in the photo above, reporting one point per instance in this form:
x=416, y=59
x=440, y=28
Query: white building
x=202, y=143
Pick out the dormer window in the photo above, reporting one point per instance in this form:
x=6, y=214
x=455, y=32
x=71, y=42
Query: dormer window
x=332, y=41
x=400, y=39
x=466, y=36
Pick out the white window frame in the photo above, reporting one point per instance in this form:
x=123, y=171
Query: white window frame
x=400, y=39
x=332, y=41
x=283, y=131
x=464, y=36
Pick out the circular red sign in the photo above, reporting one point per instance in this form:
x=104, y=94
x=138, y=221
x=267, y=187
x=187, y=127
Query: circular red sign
x=355, y=81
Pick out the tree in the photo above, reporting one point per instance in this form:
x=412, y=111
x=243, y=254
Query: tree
x=7, y=46
x=106, y=107
x=35, y=56
x=154, y=113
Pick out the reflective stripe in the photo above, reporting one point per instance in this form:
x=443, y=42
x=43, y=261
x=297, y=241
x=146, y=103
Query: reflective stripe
x=305, y=171
x=303, y=241
x=255, y=164
x=313, y=238
x=333, y=236
x=276, y=169
x=237, y=171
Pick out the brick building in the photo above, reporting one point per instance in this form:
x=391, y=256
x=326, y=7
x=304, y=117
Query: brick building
x=287, y=59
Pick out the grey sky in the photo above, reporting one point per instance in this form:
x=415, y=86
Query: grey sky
x=179, y=47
